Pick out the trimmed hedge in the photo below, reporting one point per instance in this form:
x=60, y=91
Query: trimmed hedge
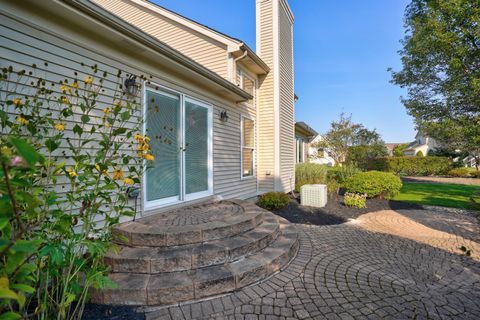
x=273, y=200
x=459, y=172
x=411, y=166
x=374, y=184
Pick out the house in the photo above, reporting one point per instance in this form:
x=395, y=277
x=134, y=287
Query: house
x=304, y=135
x=422, y=145
x=244, y=100
x=221, y=121
x=320, y=155
x=391, y=146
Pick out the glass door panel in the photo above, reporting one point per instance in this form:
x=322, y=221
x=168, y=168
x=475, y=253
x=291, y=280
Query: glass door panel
x=163, y=119
x=196, y=147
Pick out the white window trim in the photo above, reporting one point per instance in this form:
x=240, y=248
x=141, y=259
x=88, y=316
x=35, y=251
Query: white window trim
x=183, y=197
x=244, y=74
x=254, y=172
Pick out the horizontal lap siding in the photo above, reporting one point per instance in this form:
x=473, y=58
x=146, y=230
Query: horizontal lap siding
x=203, y=50
x=287, y=123
x=22, y=45
x=266, y=111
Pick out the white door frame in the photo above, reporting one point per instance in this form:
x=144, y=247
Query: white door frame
x=182, y=197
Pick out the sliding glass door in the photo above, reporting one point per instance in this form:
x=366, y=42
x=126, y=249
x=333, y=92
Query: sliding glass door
x=181, y=141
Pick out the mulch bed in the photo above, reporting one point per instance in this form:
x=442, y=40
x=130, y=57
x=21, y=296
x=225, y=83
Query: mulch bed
x=107, y=312
x=335, y=211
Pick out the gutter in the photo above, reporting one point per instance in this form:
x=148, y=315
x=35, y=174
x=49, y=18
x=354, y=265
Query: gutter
x=255, y=57
x=111, y=20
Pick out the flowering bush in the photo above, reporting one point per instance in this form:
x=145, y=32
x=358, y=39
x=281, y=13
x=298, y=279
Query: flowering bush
x=355, y=200
x=66, y=159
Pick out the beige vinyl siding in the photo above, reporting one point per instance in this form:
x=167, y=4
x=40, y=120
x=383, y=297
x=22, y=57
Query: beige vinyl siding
x=26, y=40
x=266, y=111
x=206, y=51
x=286, y=91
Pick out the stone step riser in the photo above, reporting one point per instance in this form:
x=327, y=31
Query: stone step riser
x=163, y=289
x=204, y=255
x=136, y=236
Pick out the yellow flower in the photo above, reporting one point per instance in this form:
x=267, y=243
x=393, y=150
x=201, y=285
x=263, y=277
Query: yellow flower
x=148, y=157
x=71, y=173
x=117, y=174
x=97, y=167
x=108, y=125
x=143, y=147
x=128, y=181
x=106, y=111
x=75, y=84
x=22, y=120
x=88, y=80
x=17, y=102
x=64, y=89
x=6, y=151
x=64, y=100
x=60, y=126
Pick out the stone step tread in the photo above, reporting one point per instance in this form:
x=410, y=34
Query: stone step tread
x=186, y=257
x=158, y=231
x=168, y=288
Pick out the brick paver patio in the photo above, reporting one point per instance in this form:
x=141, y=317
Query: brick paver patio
x=381, y=266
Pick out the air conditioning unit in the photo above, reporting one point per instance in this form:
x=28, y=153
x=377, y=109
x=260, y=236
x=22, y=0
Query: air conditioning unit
x=313, y=195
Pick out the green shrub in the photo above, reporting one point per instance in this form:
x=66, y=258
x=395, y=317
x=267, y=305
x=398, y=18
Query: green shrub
x=459, y=172
x=341, y=174
x=411, y=166
x=310, y=173
x=355, y=200
x=475, y=174
x=420, y=154
x=273, y=200
x=374, y=184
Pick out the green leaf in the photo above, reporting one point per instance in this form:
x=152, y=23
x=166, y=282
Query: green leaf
x=23, y=287
x=26, y=245
x=119, y=131
x=10, y=316
x=26, y=150
x=85, y=118
x=125, y=115
x=7, y=294
x=3, y=222
x=51, y=145
x=77, y=129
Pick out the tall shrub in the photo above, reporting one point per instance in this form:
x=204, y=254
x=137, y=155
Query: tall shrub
x=310, y=173
x=66, y=159
x=374, y=184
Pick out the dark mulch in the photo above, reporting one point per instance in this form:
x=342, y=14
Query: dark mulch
x=107, y=312
x=335, y=211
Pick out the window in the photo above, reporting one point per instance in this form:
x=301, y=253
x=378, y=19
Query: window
x=300, y=157
x=248, y=146
x=246, y=83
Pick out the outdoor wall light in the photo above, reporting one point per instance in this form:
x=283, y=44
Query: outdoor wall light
x=224, y=116
x=132, y=86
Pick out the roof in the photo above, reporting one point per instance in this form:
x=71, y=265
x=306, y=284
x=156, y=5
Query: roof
x=310, y=132
x=113, y=21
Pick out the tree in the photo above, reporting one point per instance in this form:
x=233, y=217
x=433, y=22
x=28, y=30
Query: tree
x=351, y=141
x=398, y=149
x=419, y=154
x=441, y=71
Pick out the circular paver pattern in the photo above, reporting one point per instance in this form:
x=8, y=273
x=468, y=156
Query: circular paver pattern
x=348, y=272
x=201, y=214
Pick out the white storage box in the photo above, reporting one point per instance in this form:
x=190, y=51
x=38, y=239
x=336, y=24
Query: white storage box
x=313, y=195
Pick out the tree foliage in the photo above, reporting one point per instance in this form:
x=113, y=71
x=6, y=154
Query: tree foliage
x=441, y=70
x=349, y=141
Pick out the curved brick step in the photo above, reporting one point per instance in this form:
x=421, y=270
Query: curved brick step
x=190, y=225
x=174, y=287
x=188, y=257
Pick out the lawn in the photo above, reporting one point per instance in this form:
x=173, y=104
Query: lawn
x=439, y=194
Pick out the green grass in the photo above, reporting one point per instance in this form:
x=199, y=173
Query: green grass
x=439, y=194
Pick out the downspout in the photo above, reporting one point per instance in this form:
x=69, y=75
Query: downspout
x=243, y=56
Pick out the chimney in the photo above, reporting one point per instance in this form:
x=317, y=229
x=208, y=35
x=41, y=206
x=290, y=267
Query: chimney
x=276, y=115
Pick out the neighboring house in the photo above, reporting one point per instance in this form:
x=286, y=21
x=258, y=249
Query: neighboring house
x=470, y=162
x=304, y=134
x=422, y=143
x=320, y=155
x=243, y=101
x=391, y=146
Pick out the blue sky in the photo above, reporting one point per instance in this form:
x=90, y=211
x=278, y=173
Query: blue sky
x=342, y=52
